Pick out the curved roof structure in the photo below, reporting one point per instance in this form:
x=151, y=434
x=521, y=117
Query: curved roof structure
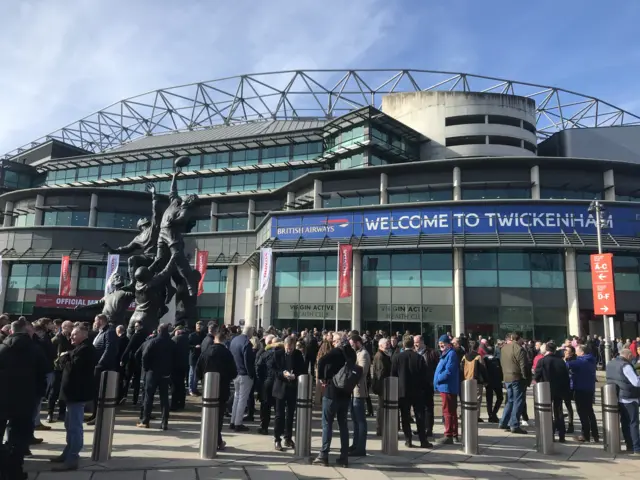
x=310, y=94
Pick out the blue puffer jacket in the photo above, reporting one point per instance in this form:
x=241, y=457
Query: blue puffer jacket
x=583, y=373
x=447, y=376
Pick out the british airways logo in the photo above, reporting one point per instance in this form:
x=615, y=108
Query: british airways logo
x=327, y=226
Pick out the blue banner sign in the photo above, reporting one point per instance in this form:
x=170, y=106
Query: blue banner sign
x=469, y=219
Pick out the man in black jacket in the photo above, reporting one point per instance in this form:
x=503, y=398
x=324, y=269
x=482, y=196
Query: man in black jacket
x=158, y=358
x=123, y=343
x=62, y=343
x=411, y=370
x=335, y=402
x=266, y=379
x=77, y=366
x=431, y=359
x=195, y=342
x=22, y=376
x=180, y=369
x=218, y=358
x=552, y=369
x=287, y=365
x=130, y=363
x=106, y=345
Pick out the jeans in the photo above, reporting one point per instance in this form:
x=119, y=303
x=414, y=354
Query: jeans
x=629, y=422
x=513, y=406
x=242, y=384
x=584, y=406
x=332, y=408
x=359, y=425
x=75, y=434
x=450, y=414
x=193, y=380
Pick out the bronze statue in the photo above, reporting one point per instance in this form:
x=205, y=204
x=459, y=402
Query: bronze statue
x=176, y=220
x=114, y=305
x=146, y=240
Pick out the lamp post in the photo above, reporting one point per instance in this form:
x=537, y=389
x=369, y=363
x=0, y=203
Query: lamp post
x=598, y=209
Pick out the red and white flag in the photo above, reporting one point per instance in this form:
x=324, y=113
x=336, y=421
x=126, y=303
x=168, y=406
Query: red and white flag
x=202, y=258
x=65, y=277
x=345, y=263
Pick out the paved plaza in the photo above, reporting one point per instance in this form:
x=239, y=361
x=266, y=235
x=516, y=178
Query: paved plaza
x=152, y=454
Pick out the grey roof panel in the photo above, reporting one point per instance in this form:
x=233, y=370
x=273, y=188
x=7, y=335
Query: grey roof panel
x=226, y=132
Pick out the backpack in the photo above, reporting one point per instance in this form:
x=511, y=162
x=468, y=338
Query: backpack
x=348, y=377
x=470, y=368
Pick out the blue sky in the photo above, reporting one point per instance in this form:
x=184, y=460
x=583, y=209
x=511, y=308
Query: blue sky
x=62, y=60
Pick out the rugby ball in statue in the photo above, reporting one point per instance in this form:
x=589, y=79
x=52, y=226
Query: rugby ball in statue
x=182, y=162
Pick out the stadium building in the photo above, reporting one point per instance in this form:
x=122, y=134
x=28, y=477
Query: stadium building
x=465, y=198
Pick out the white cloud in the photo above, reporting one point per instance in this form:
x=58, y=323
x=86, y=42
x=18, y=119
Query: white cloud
x=63, y=60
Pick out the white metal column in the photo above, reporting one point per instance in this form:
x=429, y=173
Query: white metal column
x=573, y=309
x=458, y=291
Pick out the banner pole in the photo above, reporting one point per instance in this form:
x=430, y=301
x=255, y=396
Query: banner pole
x=337, y=284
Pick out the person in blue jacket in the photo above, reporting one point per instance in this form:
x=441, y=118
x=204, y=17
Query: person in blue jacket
x=583, y=374
x=447, y=381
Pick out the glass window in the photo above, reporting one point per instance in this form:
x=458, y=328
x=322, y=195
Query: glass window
x=470, y=193
x=309, y=264
x=161, y=165
x=202, y=225
x=514, y=278
x=306, y=151
x=405, y=261
x=245, y=181
x=376, y=262
x=480, y=260
x=567, y=194
x=216, y=184
x=540, y=279
x=437, y=278
x=228, y=224
x=513, y=261
x=584, y=280
x=374, y=278
x=24, y=220
x=516, y=315
x=437, y=261
x=66, y=218
x=481, y=278
x=627, y=281
x=312, y=279
x=405, y=278
x=547, y=261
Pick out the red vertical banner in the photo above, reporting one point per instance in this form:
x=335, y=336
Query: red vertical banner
x=65, y=277
x=202, y=258
x=345, y=262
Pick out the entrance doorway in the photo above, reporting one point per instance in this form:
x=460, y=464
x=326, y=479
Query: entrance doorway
x=433, y=331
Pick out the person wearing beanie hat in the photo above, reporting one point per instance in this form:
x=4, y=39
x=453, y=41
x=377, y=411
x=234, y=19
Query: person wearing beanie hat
x=447, y=381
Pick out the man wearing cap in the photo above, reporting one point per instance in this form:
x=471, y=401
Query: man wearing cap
x=447, y=381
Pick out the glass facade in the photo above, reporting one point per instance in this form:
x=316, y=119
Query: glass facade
x=92, y=278
x=237, y=158
x=211, y=302
x=516, y=291
x=24, y=220
x=336, y=201
x=481, y=193
x=37, y=276
x=305, y=293
x=231, y=224
x=119, y=220
x=66, y=218
x=560, y=194
x=403, y=291
x=425, y=196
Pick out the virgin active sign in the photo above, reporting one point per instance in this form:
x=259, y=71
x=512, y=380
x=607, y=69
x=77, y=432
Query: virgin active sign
x=468, y=219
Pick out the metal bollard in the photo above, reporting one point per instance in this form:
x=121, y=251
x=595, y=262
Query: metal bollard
x=105, y=417
x=304, y=410
x=544, y=418
x=210, y=416
x=390, y=416
x=470, y=417
x=611, y=420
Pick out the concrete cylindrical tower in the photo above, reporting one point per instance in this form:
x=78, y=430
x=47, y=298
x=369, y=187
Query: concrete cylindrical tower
x=467, y=124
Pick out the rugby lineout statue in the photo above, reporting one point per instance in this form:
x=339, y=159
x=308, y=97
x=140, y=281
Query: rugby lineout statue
x=162, y=259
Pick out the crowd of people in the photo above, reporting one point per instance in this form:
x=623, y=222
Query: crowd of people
x=62, y=362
